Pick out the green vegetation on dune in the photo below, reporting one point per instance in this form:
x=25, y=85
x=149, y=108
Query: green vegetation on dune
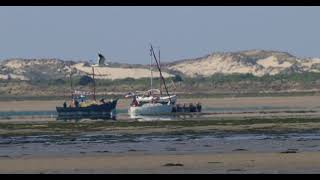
x=218, y=85
x=306, y=78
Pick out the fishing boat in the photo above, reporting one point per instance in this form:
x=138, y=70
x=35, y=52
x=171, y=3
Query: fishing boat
x=80, y=107
x=152, y=101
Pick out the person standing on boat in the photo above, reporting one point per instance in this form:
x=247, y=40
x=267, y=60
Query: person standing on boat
x=192, y=108
x=199, y=107
x=185, y=109
x=76, y=103
x=102, y=101
x=134, y=101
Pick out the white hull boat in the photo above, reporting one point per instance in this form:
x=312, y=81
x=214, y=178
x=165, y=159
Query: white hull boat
x=159, y=99
x=152, y=102
x=150, y=109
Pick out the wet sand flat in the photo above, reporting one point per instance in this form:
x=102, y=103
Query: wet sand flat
x=303, y=162
x=24, y=157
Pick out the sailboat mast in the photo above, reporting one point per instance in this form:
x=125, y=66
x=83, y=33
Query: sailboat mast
x=71, y=85
x=160, y=75
x=94, y=85
x=164, y=82
x=151, y=77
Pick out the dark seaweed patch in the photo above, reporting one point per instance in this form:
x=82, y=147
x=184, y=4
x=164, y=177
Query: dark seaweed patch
x=102, y=151
x=171, y=149
x=173, y=164
x=290, y=151
x=230, y=170
x=240, y=149
x=5, y=156
x=214, y=162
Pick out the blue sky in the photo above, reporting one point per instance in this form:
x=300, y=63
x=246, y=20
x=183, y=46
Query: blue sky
x=123, y=34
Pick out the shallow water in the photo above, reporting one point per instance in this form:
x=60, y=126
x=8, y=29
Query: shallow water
x=97, y=143
x=94, y=143
x=122, y=114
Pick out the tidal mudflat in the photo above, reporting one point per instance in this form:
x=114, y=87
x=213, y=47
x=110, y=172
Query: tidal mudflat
x=242, y=137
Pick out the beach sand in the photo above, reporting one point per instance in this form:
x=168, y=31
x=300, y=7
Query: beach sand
x=301, y=162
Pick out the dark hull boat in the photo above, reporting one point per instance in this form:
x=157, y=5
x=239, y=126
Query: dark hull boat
x=106, y=110
x=80, y=108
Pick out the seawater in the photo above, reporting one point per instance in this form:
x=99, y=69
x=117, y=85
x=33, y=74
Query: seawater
x=157, y=143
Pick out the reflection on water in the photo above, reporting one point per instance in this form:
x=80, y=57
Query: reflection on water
x=152, y=118
x=175, y=116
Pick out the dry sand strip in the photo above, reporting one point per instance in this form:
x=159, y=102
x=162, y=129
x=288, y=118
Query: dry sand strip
x=301, y=162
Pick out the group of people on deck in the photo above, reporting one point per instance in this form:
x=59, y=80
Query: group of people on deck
x=186, y=108
x=72, y=103
x=75, y=102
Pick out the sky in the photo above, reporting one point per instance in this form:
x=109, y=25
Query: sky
x=123, y=34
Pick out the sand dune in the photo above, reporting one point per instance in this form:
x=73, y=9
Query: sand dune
x=212, y=65
x=272, y=61
x=119, y=73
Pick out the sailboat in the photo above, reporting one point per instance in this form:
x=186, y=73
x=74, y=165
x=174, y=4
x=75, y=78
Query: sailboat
x=152, y=102
x=81, y=107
